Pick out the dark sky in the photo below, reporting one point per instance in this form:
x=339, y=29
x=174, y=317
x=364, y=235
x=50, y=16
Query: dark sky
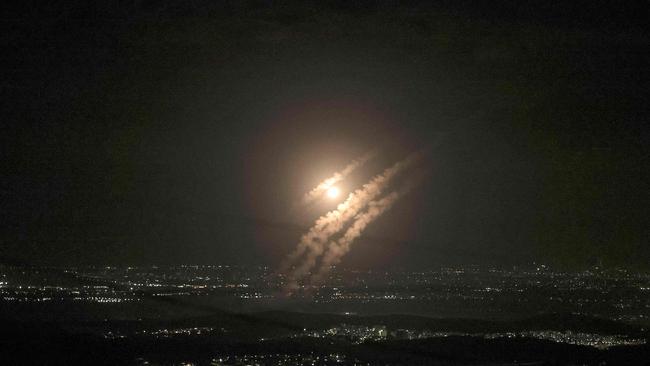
x=165, y=132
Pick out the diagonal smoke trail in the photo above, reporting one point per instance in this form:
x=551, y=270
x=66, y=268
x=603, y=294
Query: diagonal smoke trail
x=323, y=186
x=339, y=248
x=313, y=242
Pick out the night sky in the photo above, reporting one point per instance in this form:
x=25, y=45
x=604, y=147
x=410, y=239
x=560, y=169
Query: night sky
x=182, y=132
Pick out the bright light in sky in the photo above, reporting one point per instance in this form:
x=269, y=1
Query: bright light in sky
x=332, y=192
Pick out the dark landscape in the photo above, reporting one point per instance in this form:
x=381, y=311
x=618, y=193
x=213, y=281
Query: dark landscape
x=202, y=182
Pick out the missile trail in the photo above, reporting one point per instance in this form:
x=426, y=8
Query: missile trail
x=313, y=243
x=323, y=186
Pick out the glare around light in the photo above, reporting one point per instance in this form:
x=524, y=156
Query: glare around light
x=333, y=192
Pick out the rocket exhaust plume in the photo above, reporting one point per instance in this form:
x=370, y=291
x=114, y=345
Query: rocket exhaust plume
x=323, y=186
x=337, y=249
x=314, y=241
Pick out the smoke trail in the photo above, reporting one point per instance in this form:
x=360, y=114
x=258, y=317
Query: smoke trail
x=323, y=186
x=314, y=241
x=342, y=246
x=337, y=249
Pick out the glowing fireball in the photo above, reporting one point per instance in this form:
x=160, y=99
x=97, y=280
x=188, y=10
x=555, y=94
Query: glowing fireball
x=333, y=192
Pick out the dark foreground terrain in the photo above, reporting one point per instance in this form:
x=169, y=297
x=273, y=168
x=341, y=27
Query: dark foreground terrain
x=272, y=338
x=230, y=315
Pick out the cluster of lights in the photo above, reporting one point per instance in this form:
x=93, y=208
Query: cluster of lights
x=359, y=334
x=283, y=359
